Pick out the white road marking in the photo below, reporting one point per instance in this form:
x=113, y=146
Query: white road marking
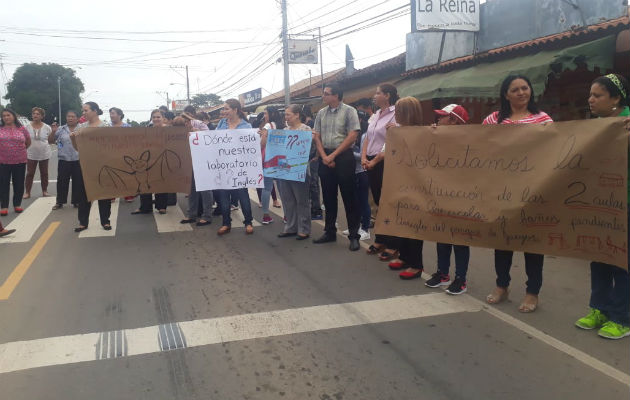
x=94, y=225
x=579, y=355
x=29, y=221
x=49, y=181
x=169, y=222
x=61, y=350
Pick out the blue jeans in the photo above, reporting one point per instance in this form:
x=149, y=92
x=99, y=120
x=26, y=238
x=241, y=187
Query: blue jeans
x=462, y=256
x=610, y=292
x=533, y=269
x=224, y=202
x=266, y=194
x=363, y=190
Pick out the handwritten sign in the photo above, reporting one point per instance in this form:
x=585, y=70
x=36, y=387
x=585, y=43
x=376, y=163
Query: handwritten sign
x=558, y=189
x=286, y=154
x=226, y=159
x=118, y=162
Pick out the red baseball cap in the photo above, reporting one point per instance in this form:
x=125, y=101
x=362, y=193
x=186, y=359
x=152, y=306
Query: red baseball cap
x=456, y=110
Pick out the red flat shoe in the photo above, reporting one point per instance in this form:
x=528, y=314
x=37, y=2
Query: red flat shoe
x=408, y=275
x=4, y=213
x=396, y=265
x=18, y=209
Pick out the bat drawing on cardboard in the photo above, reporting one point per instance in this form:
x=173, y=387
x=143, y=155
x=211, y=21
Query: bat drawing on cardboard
x=142, y=169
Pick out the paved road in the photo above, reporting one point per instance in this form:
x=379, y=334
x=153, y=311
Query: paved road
x=148, y=314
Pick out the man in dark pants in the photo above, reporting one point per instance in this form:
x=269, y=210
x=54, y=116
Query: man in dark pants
x=335, y=131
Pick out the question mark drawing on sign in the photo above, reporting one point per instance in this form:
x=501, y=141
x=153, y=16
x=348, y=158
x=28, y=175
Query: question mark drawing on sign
x=196, y=140
x=260, y=178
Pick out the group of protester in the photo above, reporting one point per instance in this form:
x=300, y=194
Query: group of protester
x=347, y=157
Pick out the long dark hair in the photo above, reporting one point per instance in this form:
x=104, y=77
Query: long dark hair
x=274, y=116
x=16, y=121
x=390, y=89
x=505, y=111
x=235, y=104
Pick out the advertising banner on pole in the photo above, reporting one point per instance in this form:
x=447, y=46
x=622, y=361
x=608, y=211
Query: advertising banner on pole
x=303, y=51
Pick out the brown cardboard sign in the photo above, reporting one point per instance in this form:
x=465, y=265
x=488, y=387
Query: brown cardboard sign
x=558, y=189
x=118, y=162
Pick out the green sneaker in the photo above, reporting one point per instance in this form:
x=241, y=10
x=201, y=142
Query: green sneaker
x=612, y=330
x=594, y=319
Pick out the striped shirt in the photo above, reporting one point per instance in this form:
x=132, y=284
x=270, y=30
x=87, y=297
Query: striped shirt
x=539, y=118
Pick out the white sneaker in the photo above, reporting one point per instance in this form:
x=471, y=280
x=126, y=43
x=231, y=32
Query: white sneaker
x=346, y=232
x=364, y=234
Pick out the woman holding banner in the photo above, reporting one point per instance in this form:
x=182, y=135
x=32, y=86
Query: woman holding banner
x=271, y=120
x=91, y=112
x=610, y=285
x=146, y=199
x=408, y=113
x=234, y=118
x=296, y=195
x=517, y=107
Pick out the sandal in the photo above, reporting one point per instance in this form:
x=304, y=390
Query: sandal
x=388, y=255
x=80, y=228
x=6, y=232
x=162, y=212
x=57, y=206
x=396, y=264
x=374, y=250
x=203, y=222
x=138, y=211
x=410, y=273
x=249, y=230
x=107, y=227
x=497, y=296
x=187, y=221
x=529, y=303
x=26, y=196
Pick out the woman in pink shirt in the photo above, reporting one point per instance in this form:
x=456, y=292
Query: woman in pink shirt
x=517, y=107
x=372, y=157
x=14, y=140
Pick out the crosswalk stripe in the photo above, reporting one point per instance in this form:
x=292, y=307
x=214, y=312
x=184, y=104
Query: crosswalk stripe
x=94, y=226
x=70, y=349
x=169, y=222
x=27, y=223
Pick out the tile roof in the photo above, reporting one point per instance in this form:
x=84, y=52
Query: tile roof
x=558, y=40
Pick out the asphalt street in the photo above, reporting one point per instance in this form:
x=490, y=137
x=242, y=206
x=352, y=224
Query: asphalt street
x=149, y=313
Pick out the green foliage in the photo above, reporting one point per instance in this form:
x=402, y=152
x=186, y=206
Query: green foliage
x=133, y=124
x=35, y=85
x=202, y=100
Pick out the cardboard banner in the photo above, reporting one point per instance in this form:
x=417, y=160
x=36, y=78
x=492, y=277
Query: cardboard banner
x=286, y=154
x=118, y=162
x=227, y=159
x=557, y=189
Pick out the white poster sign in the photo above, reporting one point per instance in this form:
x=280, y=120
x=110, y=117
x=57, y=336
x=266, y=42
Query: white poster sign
x=226, y=159
x=447, y=15
x=302, y=51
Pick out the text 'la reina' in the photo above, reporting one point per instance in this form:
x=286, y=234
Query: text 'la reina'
x=466, y=6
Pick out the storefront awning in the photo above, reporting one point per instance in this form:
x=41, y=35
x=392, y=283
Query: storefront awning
x=484, y=80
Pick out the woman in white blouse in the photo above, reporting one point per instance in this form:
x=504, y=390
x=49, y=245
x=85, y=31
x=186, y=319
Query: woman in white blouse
x=39, y=151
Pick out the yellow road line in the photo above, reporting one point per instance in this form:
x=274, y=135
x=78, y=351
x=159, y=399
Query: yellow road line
x=18, y=273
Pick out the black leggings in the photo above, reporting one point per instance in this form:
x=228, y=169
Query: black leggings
x=12, y=173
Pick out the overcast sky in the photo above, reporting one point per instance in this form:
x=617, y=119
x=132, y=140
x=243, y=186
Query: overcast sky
x=222, y=42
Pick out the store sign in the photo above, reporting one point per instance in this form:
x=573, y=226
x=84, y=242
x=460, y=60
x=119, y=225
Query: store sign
x=250, y=98
x=447, y=15
x=179, y=104
x=302, y=51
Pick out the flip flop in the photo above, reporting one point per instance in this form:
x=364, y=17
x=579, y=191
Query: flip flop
x=374, y=250
x=528, y=306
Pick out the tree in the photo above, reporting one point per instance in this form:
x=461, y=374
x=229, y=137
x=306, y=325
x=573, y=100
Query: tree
x=35, y=85
x=133, y=124
x=202, y=100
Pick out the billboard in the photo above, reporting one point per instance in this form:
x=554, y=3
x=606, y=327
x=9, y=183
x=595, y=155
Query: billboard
x=447, y=15
x=303, y=51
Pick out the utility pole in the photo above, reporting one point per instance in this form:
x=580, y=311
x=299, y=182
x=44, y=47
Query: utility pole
x=187, y=86
x=321, y=57
x=285, y=55
x=59, y=97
